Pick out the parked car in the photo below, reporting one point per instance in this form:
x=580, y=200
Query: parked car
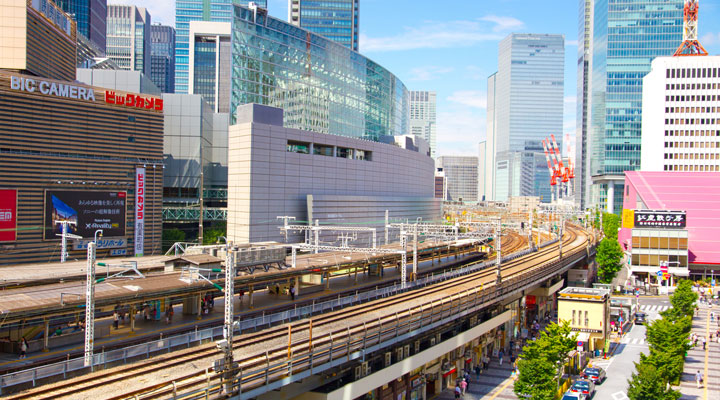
x=640, y=318
x=574, y=396
x=594, y=374
x=583, y=386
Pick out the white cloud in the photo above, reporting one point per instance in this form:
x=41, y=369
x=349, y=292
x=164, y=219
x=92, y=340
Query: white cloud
x=436, y=35
x=710, y=39
x=160, y=11
x=503, y=23
x=471, y=98
x=459, y=131
x=428, y=72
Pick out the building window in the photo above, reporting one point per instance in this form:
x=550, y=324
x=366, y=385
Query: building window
x=298, y=147
x=343, y=152
x=573, y=320
x=363, y=155
x=322, y=150
x=587, y=320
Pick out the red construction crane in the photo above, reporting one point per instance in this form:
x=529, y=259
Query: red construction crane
x=690, y=45
x=562, y=171
x=550, y=167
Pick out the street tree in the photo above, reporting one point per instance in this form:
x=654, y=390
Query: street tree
x=541, y=362
x=609, y=257
x=611, y=224
x=170, y=237
x=683, y=301
x=649, y=384
x=668, y=342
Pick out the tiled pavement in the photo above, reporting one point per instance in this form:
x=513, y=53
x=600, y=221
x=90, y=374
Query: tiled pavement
x=494, y=383
x=707, y=361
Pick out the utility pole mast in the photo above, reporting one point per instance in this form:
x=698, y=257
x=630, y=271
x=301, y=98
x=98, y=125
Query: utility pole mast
x=202, y=200
x=228, y=326
x=415, y=251
x=90, y=302
x=387, y=225
x=64, y=237
x=690, y=34
x=403, y=246
x=498, y=256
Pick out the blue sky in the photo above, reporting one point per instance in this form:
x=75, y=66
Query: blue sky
x=451, y=47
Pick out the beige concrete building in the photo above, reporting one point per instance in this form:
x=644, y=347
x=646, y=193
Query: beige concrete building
x=588, y=311
x=38, y=38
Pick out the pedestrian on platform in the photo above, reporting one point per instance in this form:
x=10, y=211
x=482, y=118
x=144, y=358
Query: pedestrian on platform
x=467, y=378
x=477, y=371
x=463, y=386
x=116, y=319
x=501, y=353
x=699, y=379
x=23, y=348
x=241, y=294
x=169, y=314
x=486, y=361
x=458, y=391
x=292, y=293
x=704, y=342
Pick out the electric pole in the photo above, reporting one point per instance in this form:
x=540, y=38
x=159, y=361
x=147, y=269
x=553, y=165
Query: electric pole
x=228, y=326
x=90, y=302
x=498, y=256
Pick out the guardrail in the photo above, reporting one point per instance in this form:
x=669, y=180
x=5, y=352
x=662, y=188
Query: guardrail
x=165, y=345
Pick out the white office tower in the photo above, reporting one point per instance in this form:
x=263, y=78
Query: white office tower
x=680, y=106
x=423, y=117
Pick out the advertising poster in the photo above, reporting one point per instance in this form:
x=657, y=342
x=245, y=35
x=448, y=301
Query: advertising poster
x=90, y=210
x=8, y=215
x=139, y=211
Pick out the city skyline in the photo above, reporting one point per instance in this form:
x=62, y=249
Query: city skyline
x=457, y=55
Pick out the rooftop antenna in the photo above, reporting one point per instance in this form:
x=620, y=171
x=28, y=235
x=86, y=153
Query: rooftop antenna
x=690, y=45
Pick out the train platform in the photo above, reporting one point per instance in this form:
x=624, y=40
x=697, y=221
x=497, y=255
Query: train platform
x=262, y=301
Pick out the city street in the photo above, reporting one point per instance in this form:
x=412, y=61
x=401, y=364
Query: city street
x=620, y=364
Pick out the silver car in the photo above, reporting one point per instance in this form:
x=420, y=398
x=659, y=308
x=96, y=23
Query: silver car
x=583, y=386
x=594, y=374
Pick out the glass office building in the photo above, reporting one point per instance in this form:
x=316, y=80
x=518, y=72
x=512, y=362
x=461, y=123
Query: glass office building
x=128, y=37
x=321, y=85
x=198, y=10
x=627, y=36
x=337, y=20
x=91, y=16
x=163, y=57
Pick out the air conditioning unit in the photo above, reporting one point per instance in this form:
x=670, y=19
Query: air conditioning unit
x=388, y=359
x=366, y=368
x=417, y=346
x=359, y=372
x=432, y=341
x=399, y=353
x=406, y=350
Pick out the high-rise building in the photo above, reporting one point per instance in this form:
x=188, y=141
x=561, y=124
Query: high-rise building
x=527, y=99
x=210, y=63
x=198, y=10
x=461, y=175
x=335, y=19
x=90, y=16
x=162, y=65
x=680, y=130
x=482, y=155
x=300, y=76
x=582, y=178
x=626, y=37
x=128, y=37
x=489, y=158
x=423, y=117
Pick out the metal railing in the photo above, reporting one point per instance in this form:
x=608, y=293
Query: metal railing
x=105, y=359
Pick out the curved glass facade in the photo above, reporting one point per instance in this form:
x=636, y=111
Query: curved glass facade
x=322, y=86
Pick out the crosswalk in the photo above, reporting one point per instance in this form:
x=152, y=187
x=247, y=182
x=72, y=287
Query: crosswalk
x=627, y=340
x=653, y=307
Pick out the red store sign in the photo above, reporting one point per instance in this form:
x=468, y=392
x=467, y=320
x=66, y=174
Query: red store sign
x=134, y=100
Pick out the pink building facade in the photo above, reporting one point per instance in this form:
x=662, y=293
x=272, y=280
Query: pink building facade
x=674, y=196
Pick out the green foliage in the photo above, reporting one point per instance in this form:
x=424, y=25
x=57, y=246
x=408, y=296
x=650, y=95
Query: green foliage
x=611, y=224
x=683, y=301
x=649, y=384
x=170, y=236
x=609, y=257
x=668, y=344
x=212, y=235
x=540, y=361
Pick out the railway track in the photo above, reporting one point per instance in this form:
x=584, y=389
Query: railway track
x=261, y=349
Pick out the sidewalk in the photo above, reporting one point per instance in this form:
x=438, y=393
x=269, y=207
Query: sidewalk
x=706, y=361
x=494, y=383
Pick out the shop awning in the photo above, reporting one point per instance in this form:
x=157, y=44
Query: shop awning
x=582, y=336
x=446, y=374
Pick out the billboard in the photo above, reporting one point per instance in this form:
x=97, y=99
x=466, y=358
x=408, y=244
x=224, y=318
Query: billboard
x=90, y=210
x=8, y=215
x=659, y=219
x=139, y=210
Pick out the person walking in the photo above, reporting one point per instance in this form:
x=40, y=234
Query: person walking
x=501, y=353
x=699, y=379
x=169, y=314
x=704, y=342
x=116, y=319
x=477, y=371
x=467, y=379
x=463, y=386
x=292, y=293
x=23, y=348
